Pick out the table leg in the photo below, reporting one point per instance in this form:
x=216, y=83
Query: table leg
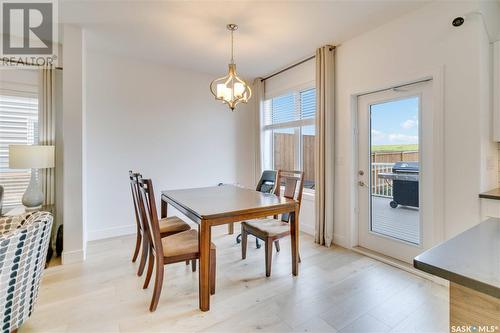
x=164, y=208
x=294, y=233
x=204, y=272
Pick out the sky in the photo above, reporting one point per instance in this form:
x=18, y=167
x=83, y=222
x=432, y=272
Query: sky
x=395, y=122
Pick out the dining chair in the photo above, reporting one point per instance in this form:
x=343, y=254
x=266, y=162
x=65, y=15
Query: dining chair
x=265, y=185
x=168, y=226
x=172, y=249
x=270, y=230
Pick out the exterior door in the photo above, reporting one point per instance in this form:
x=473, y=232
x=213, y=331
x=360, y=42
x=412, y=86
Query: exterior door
x=394, y=135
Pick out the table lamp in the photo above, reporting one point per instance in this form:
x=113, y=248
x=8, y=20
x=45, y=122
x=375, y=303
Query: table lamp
x=34, y=158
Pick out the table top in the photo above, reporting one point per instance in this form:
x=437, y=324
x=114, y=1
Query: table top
x=493, y=194
x=219, y=201
x=471, y=259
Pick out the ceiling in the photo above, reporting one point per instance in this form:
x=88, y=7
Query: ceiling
x=192, y=34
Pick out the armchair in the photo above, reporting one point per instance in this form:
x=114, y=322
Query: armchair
x=24, y=240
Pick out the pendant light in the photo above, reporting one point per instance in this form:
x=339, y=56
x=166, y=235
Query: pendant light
x=230, y=89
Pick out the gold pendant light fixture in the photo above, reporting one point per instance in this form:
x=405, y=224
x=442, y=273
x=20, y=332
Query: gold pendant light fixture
x=230, y=89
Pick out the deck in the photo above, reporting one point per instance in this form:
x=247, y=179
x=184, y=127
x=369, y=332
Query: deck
x=401, y=222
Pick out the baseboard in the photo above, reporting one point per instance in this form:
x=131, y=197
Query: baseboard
x=123, y=230
x=399, y=264
x=340, y=240
x=71, y=257
x=307, y=229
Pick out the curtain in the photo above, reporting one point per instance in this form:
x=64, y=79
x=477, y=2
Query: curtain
x=47, y=127
x=324, y=148
x=258, y=90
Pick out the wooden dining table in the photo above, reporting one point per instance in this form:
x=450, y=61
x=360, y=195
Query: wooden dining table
x=212, y=206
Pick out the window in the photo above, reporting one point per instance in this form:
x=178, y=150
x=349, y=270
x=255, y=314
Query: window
x=289, y=133
x=18, y=125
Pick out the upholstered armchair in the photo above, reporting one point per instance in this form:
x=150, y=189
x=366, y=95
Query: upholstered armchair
x=24, y=240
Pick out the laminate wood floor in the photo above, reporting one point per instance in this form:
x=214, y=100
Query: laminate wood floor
x=337, y=291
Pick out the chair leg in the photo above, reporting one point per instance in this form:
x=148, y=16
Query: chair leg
x=269, y=256
x=149, y=271
x=300, y=260
x=137, y=246
x=213, y=270
x=244, y=239
x=277, y=245
x=257, y=245
x=144, y=257
x=193, y=265
x=187, y=262
x=230, y=228
x=157, y=288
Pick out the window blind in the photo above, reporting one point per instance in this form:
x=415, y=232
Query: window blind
x=18, y=125
x=308, y=103
x=290, y=108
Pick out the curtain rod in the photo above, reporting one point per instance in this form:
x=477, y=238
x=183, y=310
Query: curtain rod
x=292, y=66
x=22, y=63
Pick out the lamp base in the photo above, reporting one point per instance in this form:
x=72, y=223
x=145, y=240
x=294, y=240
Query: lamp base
x=32, y=209
x=33, y=197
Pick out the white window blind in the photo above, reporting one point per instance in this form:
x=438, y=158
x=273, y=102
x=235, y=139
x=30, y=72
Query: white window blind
x=292, y=109
x=18, y=125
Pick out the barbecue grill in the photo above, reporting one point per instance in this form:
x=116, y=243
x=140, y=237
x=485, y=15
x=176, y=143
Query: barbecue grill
x=405, y=177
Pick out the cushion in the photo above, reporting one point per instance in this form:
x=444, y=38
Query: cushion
x=172, y=224
x=270, y=227
x=183, y=243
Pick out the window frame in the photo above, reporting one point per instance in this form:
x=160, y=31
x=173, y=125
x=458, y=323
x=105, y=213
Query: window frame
x=295, y=125
x=22, y=90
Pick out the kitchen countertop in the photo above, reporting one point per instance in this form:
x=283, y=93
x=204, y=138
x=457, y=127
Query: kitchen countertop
x=471, y=259
x=493, y=194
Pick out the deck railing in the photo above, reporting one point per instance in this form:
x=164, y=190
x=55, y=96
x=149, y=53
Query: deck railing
x=381, y=187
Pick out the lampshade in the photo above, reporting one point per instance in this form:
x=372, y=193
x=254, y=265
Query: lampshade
x=31, y=157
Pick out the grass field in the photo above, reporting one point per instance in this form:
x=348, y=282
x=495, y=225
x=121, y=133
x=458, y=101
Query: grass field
x=379, y=148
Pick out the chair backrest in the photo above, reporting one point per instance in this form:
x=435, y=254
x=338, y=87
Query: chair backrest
x=134, y=188
x=23, y=251
x=294, y=186
x=149, y=215
x=267, y=181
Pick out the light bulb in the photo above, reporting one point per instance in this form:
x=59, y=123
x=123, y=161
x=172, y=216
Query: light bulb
x=239, y=88
x=221, y=89
x=228, y=94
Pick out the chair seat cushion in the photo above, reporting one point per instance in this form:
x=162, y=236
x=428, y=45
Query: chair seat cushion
x=171, y=225
x=270, y=227
x=183, y=243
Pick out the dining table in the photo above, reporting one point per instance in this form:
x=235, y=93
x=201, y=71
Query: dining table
x=226, y=204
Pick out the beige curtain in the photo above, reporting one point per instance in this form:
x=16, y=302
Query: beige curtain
x=47, y=127
x=258, y=91
x=324, y=153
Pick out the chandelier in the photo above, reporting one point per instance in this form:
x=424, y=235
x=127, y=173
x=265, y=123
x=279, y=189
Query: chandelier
x=230, y=89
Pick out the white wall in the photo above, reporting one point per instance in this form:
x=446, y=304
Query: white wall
x=405, y=49
x=72, y=119
x=162, y=122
